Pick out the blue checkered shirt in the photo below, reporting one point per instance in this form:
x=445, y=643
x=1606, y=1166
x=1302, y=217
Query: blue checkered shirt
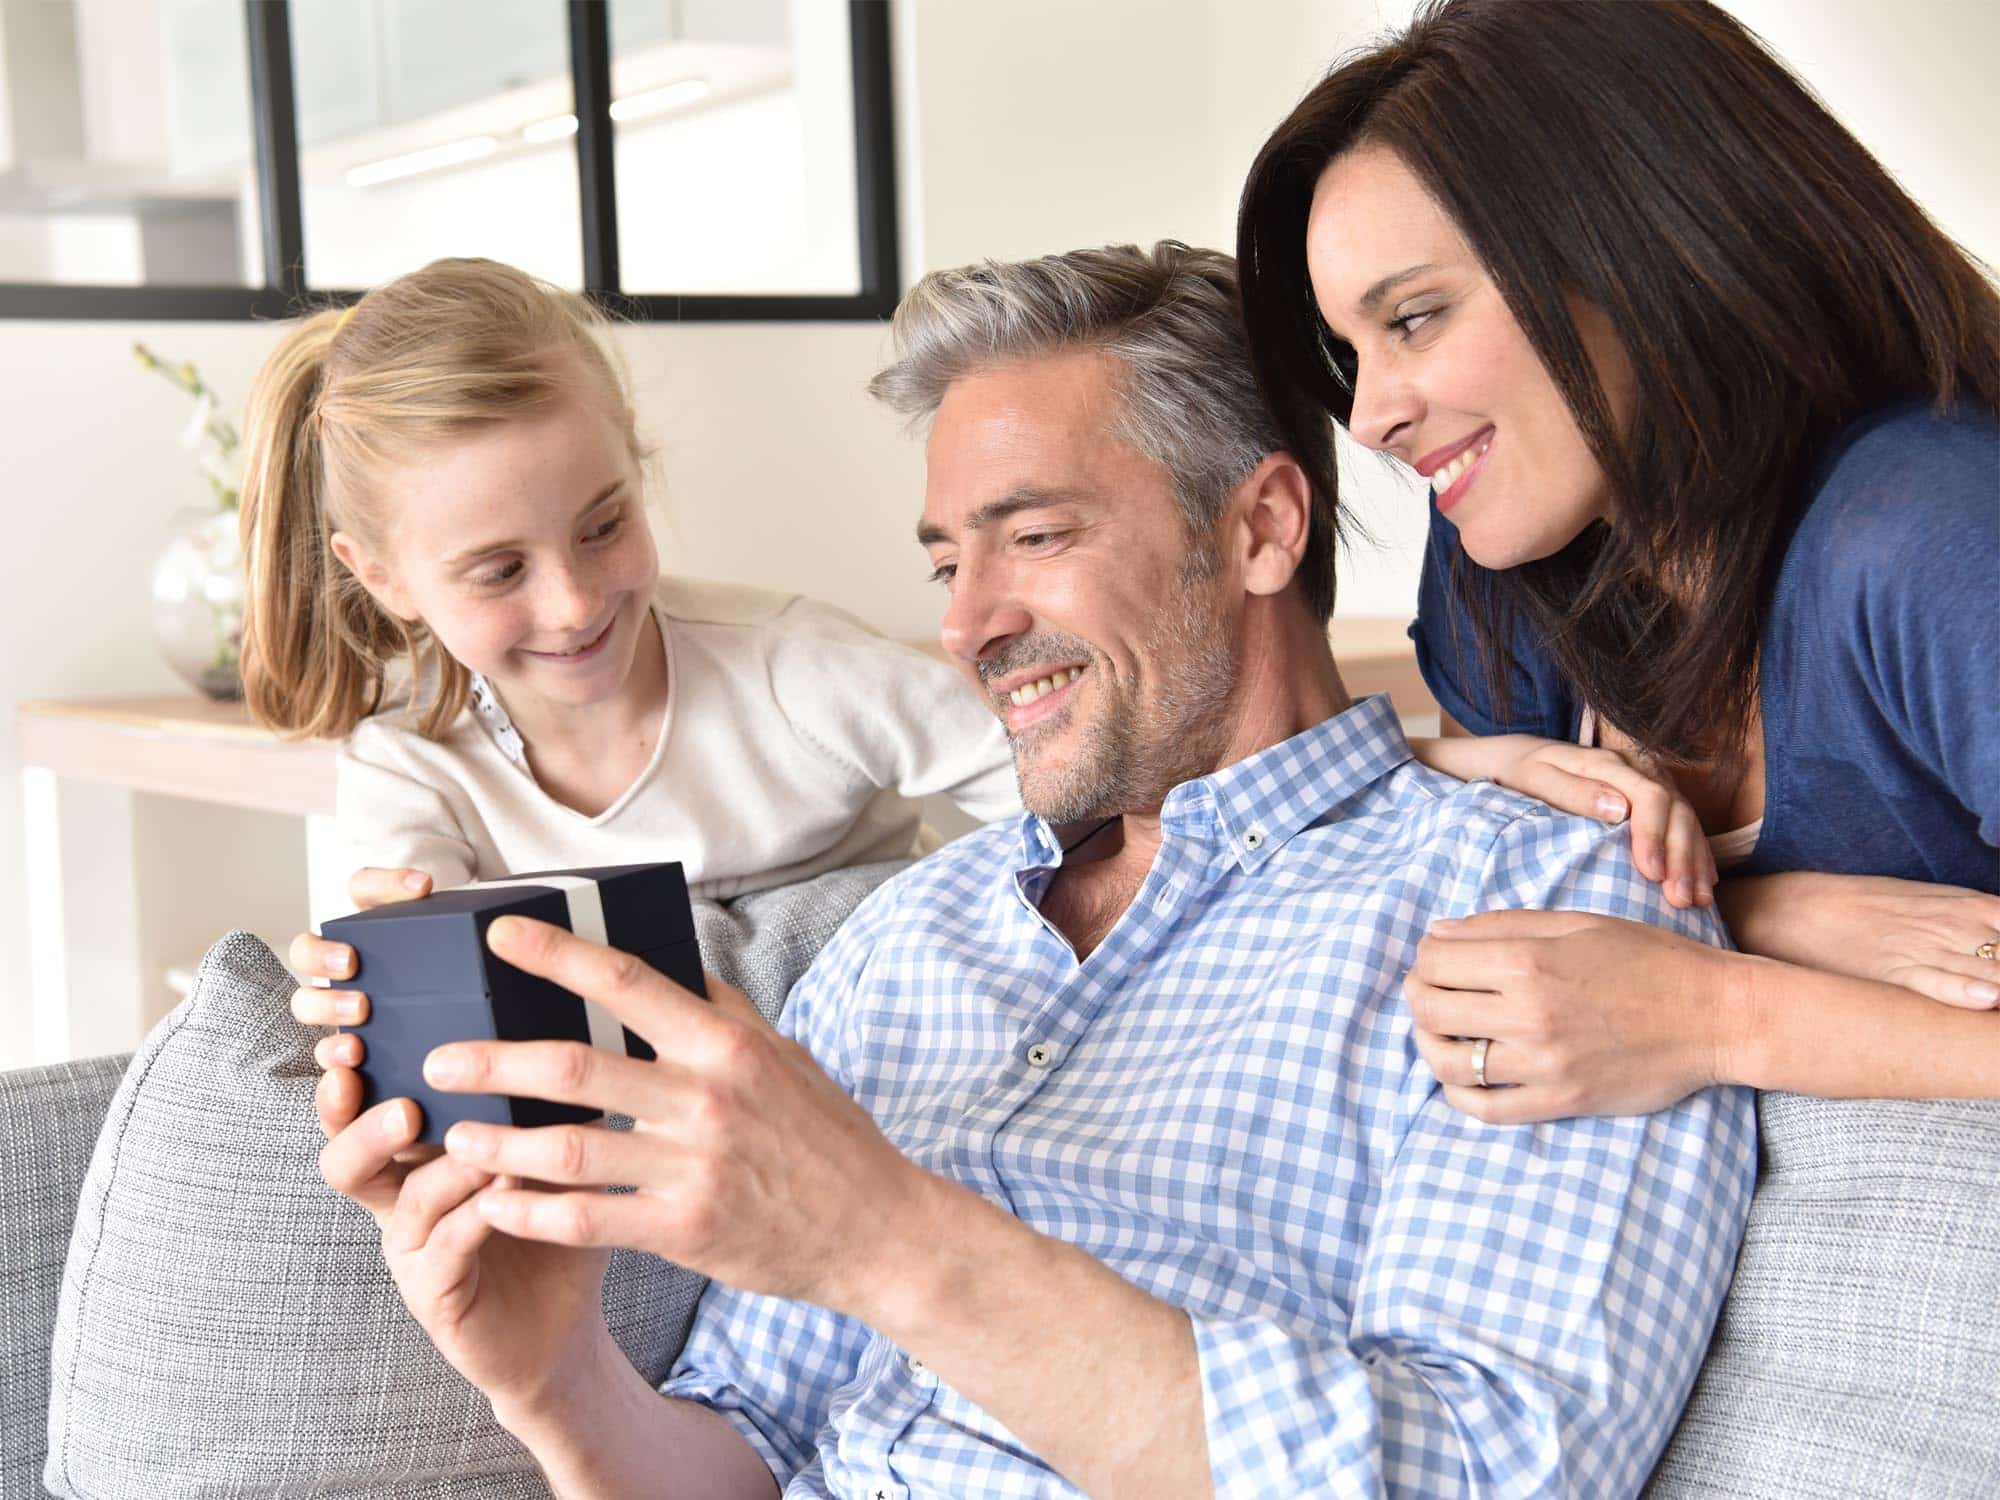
x=1223, y=1104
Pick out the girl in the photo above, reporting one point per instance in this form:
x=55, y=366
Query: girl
x=447, y=476
x=1708, y=409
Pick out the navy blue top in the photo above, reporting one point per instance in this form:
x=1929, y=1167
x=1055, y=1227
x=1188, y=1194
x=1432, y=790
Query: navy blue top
x=1879, y=666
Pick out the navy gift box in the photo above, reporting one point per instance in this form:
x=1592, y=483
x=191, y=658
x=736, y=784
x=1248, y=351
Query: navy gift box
x=431, y=979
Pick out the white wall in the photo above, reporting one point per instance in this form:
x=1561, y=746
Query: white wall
x=1027, y=127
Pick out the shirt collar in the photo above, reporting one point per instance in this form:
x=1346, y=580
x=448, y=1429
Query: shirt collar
x=1261, y=801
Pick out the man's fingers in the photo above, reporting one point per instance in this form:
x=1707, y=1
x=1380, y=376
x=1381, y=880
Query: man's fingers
x=630, y=988
x=313, y=1006
x=372, y=887
x=314, y=956
x=429, y=1193
x=345, y=1050
x=561, y=1072
x=581, y=1218
x=461, y=1232
x=569, y=1155
x=359, y=1150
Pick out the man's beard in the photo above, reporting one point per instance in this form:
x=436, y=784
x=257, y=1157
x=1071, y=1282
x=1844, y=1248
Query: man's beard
x=1131, y=754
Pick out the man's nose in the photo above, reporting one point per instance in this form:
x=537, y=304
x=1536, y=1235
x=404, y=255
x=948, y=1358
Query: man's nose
x=982, y=612
x=1386, y=406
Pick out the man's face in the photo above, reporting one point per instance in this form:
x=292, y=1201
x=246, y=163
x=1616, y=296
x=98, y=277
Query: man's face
x=1105, y=640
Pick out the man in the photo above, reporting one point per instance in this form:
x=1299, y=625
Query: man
x=1097, y=1150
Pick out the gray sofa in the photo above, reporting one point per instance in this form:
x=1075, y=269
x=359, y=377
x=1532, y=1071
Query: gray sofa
x=227, y=1328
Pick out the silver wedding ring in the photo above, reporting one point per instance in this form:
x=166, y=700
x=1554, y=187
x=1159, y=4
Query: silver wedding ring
x=1479, y=1061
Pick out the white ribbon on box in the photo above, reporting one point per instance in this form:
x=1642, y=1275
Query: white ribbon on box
x=586, y=920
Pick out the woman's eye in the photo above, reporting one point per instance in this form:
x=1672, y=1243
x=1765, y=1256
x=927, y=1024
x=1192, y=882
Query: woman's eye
x=1409, y=323
x=607, y=530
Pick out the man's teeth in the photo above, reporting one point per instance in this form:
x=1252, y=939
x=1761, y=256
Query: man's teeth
x=1447, y=475
x=1030, y=691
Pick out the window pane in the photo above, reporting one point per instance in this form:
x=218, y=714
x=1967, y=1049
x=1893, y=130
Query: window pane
x=435, y=127
x=125, y=155
x=734, y=131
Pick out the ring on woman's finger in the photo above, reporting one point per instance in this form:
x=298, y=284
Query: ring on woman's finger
x=1989, y=949
x=1479, y=1049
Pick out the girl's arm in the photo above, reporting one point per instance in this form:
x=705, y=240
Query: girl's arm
x=391, y=819
x=900, y=718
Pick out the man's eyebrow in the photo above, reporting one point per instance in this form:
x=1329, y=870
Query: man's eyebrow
x=1028, y=497
x=466, y=556
x=1372, y=298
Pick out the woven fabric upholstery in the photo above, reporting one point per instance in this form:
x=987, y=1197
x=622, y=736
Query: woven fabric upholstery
x=1858, y=1354
x=48, y=1124
x=226, y=1324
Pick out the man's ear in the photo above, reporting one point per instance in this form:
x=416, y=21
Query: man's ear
x=1275, y=503
x=372, y=574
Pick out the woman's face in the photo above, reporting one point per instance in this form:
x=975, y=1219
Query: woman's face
x=1446, y=381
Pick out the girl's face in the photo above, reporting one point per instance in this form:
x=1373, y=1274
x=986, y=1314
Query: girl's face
x=1446, y=381
x=524, y=548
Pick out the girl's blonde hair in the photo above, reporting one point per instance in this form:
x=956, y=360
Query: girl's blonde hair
x=347, y=396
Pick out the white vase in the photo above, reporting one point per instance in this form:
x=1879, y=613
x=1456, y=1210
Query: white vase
x=198, y=601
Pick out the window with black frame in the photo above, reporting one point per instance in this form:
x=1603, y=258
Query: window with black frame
x=685, y=159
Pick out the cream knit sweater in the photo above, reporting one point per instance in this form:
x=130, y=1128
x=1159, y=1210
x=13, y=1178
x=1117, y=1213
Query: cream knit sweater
x=795, y=741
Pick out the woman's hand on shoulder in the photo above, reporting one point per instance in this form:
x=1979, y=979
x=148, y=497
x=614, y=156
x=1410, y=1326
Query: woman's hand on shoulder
x=1904, y=932
x=1583, y=1014
x=1668, y=844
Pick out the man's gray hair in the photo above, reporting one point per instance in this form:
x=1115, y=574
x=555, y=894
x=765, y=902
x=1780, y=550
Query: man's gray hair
x=1169, y=315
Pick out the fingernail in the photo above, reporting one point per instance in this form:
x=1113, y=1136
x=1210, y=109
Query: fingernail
x=462, y=1140
x=1704, y=894
x=1984, y=993
x=348, y=1008
x=1683, y=890
x=1611, y=809
x=337, y=960
x=1445, y=924
x=414, y=881
x=396, y=1121
x=445, y=1065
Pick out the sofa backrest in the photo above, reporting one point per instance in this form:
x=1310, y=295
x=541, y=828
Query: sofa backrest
x=49, y=1119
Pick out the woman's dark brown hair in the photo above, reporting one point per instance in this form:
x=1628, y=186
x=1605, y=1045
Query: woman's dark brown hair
x=1767, y=279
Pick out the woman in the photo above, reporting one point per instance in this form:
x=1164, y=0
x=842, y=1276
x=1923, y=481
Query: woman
x=1708, y=410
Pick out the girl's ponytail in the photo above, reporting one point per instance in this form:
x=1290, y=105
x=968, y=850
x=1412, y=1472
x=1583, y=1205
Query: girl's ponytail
x=343, y=401
x=316, y=645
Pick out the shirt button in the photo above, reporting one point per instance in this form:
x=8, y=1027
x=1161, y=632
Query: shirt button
x=1254, y=836
x=917, y=1366
x=1040, y=1054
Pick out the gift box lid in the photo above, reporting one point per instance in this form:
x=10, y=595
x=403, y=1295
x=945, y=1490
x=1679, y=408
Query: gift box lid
x=438, y=944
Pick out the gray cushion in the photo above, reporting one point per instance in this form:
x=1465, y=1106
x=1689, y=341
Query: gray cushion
x=1858, y=1353
x=226, y=1323
x=48, y=1123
